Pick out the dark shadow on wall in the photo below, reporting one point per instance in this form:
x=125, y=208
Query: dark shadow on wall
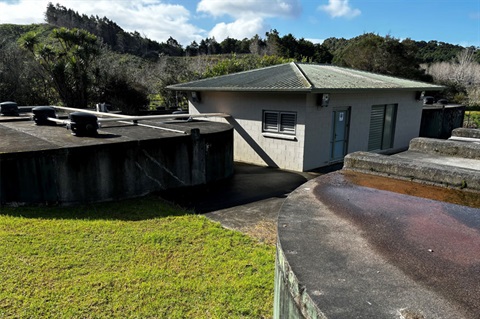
x=251, y=142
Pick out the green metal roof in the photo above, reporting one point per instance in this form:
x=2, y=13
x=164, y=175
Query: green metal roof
x=303, y=77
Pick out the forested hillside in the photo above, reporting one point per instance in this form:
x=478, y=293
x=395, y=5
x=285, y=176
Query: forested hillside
x=78, y=61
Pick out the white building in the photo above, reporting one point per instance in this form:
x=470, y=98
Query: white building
x=300, y=116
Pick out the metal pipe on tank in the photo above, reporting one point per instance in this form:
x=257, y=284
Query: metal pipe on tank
x=155, y=127
x=113, y=117
x=165, y=117
x=143, y=117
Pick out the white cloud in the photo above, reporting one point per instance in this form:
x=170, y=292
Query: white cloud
x=155, y=19
x=251, y=8
x=22, y=12
x=249, y=15
x=315, y=41
x=239, y=29
x=340, y=8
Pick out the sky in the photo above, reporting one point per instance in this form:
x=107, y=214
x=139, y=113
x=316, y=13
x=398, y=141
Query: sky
x=451, y=21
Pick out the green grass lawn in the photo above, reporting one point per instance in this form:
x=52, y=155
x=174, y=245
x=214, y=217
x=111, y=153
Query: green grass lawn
x=139, y=258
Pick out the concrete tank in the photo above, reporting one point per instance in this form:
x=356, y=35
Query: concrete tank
x=47, y=164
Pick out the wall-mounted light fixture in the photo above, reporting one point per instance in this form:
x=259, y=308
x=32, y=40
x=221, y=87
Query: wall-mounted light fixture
x=323, y=99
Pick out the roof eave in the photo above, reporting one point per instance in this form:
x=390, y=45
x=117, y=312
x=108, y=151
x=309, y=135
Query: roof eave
x=355, y=90
x=301, y=90
x=223, y=89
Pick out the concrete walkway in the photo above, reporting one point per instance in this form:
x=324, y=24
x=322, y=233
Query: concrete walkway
x=249, y=201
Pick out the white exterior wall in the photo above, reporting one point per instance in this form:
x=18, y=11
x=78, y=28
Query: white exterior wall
x=246, y=109
x=312, y=146
x=319, y=122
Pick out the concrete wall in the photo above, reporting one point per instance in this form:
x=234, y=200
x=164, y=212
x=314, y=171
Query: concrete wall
x=311, y=149
x=291, y=300
x=318, y=133
x=440, y=121
x=115, y=171
x=250, y=145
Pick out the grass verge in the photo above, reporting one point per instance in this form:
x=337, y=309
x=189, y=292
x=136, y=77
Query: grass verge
x=472, y=119
x=140, y=258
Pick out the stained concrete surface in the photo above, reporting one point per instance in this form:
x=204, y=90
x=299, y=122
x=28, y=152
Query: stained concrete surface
x=387, y=237
x=362, y=252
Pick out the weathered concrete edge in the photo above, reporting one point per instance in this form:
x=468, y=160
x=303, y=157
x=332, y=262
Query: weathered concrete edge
x=445, y=147
x=307, y=225
x=466, y=132
x=105, y=172
x=442, y=175
x=291, y=295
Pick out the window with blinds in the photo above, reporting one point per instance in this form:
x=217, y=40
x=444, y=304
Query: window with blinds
x=382, y=127
x=279, y=122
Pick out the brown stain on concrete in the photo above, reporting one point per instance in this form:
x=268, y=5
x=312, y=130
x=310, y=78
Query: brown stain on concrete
x=449, y=195
x=434, y=242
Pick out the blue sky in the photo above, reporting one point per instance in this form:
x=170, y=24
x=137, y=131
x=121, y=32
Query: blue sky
x=451, y=21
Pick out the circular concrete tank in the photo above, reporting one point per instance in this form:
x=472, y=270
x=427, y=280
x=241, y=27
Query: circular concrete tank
x=47, y=164
x=354, y=245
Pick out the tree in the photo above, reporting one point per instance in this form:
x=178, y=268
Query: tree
x=173, y=48
x=122, y=80
x=288, y=46
x=384, y=55
x=257, y=46
x=235, y=64
x=21, y=79
x=192, y=49
x=322, y=54
x=173, y=70
x=272, y=42
x=476, y=55
x=66, y=58
x=335, y=45
x=434, y=51
x=461, y=76
x=111, y=34
x=209, y=46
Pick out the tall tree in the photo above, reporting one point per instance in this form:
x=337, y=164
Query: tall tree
x=385, y=55
x=66, y=57
x=257, y=46
x=192, y=49
x=230, y=45
x=272, y=42
x=21, y=79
